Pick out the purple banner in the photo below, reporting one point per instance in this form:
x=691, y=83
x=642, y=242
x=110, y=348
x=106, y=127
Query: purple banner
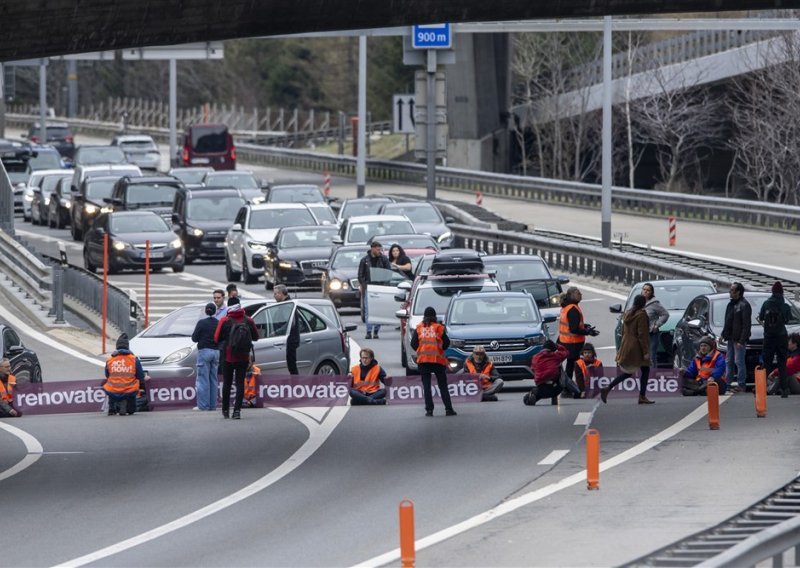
x=662, y=382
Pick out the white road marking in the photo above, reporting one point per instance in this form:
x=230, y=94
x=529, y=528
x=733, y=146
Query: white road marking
x=602, y=292
x=32, y=445
x=731, y=261
x=319, y=431
x=607, y=347
x=553, y=457
x=583, y=418
x=539, y=494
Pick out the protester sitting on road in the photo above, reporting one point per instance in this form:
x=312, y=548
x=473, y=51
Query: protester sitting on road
x=546, y=366
x=7, y=384
x=124, y=378
x=365, y=380
x=586, y=367
x=708, y=365
x=792, y=364
x=479, y=364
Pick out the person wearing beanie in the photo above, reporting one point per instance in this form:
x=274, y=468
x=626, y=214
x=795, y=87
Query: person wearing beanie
x=479, y=364
x=124, y=377
x=207, y=359
x=236, y=360
x=709, y=365
x=586, y=367
x=430, y=340
x=774, y=315
x=546, y=367
x=572, y=332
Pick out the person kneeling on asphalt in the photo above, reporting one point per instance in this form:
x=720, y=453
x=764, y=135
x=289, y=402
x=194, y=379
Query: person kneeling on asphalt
x=365, y=380
x=7, y=384
x=124, y=378
x=546, y=366
x=708, y=365
x=479, y=364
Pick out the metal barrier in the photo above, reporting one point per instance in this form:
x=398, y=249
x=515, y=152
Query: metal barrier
x=773, y=543
x=23, y=268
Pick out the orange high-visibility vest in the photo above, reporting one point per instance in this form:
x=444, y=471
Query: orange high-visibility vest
x=469, y=365
x=7, y=393
x=704, y=372
x=565, y=336
x=122, y=374
x=584, y=369
x=368, y=384
x=250, y=383
x=430, y=343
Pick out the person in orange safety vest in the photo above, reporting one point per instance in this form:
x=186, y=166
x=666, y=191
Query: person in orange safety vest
x=708, y=365
x=124, y=378
x=430, y=340
x=251, y=383
x=366, y=380
x=479, y=364
x=7, y=384
x=572, y=332
x=586, y=367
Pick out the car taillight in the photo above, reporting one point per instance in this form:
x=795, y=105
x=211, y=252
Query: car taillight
x=233, y=153
x=35, y=139
x=69, y=139
x=185, y=155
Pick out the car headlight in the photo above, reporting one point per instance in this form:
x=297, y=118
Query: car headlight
x=47, y=201
x=106, y=209
x=555, y=300
x=537, y=340
x=65, y=203
x=335, y=284
x=179, y=355
x=444, y=237
x=196, y=232
x=28, y=196
x=258, y=200
x=457, y=343
x=90, y=209
x=257, y=246
x=176, y=244
x=453, y=364
x=120, y=245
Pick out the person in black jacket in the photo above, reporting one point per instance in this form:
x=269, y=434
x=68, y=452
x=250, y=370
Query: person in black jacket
x=774, y=315
x=207, y=359
x=373, y=259
x=281, y=294
x=736, y=332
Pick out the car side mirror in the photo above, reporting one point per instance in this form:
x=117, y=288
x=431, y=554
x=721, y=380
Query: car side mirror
x=615, y=308
x=100, y=231
x=175, y=219
x=350, y=327
x=15, y=350
x=401, y=314
x=404, y=285
x=550, y=318
x=337, y=240
x=563, y=279
x=400, y=297
x=77, y=196
x=108, y=200
x=236, y=228
x=450, y=219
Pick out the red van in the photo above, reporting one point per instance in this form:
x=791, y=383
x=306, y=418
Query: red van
x=208, y=145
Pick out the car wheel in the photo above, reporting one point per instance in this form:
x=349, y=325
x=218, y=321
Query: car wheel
x=36, y=376
x=411, y=372
x=327, y=368
x=268, y=284
x=189, y=259
x=34, y=219
x=230, y=274
x=178, y=268
x=50, y=224
x=77, y=235
x=403, y=358
x=676, y=358
x=58, y=222
x=156, y=269
x=246, y=275
x=794, y=385
x=87, y=263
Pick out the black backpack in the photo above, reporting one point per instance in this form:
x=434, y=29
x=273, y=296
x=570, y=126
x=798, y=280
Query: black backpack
x=773, y=319
x=240, y=341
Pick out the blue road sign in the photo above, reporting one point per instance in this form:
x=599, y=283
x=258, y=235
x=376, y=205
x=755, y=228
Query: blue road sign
x=432, y=36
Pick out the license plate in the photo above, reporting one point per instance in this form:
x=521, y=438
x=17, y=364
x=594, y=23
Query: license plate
x=199, y=160
x=500, y=358
x=219, y=245
x=156, y=255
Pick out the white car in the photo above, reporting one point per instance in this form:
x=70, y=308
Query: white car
x=359, y=230
x=254, y=227
x=140, y=150
x=33, y=183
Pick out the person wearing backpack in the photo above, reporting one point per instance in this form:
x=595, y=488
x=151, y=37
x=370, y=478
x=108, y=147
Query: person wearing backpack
x=238, y=332
x=774, y=314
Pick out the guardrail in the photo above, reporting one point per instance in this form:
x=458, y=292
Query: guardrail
x=32, y=275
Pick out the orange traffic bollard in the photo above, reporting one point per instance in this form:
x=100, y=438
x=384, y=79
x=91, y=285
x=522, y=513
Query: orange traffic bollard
x=407, y=552
x=592, y=459
x=712, y=394
x=761, y=392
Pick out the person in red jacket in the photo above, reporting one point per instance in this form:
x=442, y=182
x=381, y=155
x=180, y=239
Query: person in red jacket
x=236, y=359
x=792, y=363
x=546, y=366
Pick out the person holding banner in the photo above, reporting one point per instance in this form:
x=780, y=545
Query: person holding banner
x=479, y=364
x=124, y=378
x=709, y=365
x=7, y=384
x=366, y=379
x=430, y=340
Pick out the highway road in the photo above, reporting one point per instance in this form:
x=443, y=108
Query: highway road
x=501, y=484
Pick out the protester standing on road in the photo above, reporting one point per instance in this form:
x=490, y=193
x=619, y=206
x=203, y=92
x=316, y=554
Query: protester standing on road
x=124, y=378
x=7, y=384
x=572, y=332
x=238, y=332
x=366, y=380
x=736, y=331
x=400, y=261
x=430, y=340
x=657, y=315
x=281, y=294
x=774, y=315
x=373, y=259
x=219, y=302
x=546, y=366
x=479, y=364
x=207, y=359
x=634, y=349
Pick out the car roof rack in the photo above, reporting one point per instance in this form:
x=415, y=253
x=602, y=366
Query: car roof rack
x=453, y=263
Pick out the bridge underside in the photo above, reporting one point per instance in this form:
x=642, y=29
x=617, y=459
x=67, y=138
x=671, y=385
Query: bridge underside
x=58, y=27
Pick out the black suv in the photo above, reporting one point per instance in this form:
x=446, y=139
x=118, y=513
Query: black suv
x=202, y=217
x=88, y=202
x=58, y=134
x=149, y=193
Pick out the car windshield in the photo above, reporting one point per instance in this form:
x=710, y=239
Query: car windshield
x=410, y=242
x=297, y=194
x=718, y=310
x=517, y=269
x=138, y=224
x=121, y=172
x=324, y=215
x=674, y=296
x=180, y=323
x=189, y=176
x=239, y=181
x=304, y=238
x=348, y=259
x=150, y=195
x=138, y=145
x=214, y=208
x=417, y=213
x=362, y=232
x=438, y=297
x=277, y=218
x=209, y=139
x=49, y=183
x=107, y=155
x=358, y=208
x=45, y=161
x=492, y=310
x=99, y=190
